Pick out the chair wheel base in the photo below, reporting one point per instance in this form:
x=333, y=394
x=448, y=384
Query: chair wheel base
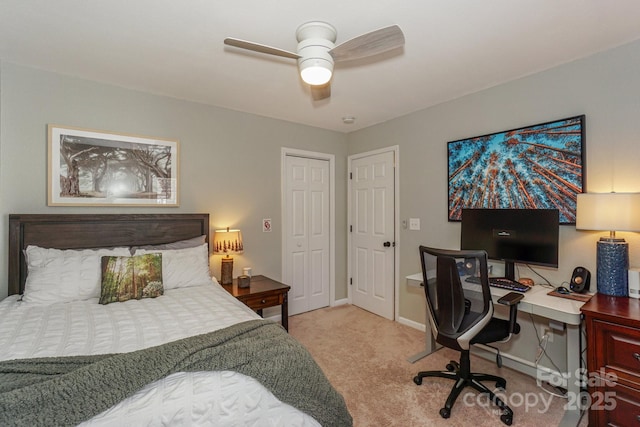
x=507, y=419
x=445, y=412
x=417, y=380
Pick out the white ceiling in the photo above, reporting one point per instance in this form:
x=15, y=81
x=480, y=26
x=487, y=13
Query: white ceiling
x=175, y=48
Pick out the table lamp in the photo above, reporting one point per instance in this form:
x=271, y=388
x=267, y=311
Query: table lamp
x=227, y=242
x=610, y=212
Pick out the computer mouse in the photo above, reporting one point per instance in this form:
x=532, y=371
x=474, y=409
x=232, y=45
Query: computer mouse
x=563, y=290
x=526, y=281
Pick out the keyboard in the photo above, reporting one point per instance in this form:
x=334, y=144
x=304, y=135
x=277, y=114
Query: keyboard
x=500, y=282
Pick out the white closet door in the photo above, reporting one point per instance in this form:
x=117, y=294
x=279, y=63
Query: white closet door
x=306, y=242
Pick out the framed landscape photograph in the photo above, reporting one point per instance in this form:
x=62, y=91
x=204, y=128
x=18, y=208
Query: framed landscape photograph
x=102, y=168
x=534, y=167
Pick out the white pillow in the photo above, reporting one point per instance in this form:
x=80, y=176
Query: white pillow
x=180, y=244
x=183, y=267
x=56, y=275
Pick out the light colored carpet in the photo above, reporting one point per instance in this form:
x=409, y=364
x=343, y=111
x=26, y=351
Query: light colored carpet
x=365, y=358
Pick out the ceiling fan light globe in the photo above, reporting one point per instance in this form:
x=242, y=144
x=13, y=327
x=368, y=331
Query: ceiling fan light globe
x=316, y=75
x=316, y=71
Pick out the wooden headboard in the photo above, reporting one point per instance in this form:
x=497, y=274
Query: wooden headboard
x=78, y=231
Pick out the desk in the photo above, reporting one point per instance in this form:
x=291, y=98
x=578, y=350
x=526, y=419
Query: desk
x=536, y=301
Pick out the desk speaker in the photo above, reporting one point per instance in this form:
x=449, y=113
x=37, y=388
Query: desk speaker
x=580, y=280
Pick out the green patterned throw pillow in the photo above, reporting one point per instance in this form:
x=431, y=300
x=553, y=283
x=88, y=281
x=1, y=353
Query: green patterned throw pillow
x=136, y=277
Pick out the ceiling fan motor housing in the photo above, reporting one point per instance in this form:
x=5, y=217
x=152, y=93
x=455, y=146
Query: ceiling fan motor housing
x=315, y=40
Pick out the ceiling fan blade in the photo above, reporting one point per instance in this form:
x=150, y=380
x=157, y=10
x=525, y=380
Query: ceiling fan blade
x=256, y=47
x=320, y=92
x=369, y=44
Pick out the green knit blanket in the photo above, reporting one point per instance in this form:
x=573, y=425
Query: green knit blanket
x=68, y=390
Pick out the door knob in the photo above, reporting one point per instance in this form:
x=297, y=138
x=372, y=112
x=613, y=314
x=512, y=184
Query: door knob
x=386, y=244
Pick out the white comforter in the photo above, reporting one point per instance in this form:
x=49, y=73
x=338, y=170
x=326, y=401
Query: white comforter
x=200, y=398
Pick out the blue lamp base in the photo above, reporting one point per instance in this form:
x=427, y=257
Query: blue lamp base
x=612, y=264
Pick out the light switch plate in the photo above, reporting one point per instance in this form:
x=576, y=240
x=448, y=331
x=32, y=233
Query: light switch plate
x=266, y=225
x=414, y=223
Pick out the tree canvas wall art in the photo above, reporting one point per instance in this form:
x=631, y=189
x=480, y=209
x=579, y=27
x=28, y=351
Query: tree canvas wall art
x=102, y=168
x=535, y=167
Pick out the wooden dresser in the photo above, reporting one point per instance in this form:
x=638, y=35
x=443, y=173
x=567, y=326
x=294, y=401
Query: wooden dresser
x=613, y=360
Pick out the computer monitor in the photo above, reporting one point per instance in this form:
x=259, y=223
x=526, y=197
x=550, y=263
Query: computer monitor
x=526, y=236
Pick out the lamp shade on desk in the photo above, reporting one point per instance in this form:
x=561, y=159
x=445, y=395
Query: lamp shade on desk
x=610, y=212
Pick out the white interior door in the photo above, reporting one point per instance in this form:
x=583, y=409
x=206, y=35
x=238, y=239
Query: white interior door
x=307, y=238
x=372, y=219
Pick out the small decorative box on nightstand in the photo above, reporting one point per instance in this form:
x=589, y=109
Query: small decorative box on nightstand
x=262, y=293
x=244, y=281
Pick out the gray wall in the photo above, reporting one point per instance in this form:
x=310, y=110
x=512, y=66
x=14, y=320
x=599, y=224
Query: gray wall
x=605, y=87
x=229, y=161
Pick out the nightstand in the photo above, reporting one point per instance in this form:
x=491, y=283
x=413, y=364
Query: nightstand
x=613, y=359
x=263, y=293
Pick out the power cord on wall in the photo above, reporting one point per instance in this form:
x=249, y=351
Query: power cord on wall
x=542, y=351
x=542, y=342
x=542, y=348
x=583, y=353
x=546, y=281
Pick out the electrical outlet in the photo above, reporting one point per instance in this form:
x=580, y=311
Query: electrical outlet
x=549, y=334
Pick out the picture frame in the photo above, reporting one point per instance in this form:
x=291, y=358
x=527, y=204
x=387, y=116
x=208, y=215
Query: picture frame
x=534, y=167
x=100, y=168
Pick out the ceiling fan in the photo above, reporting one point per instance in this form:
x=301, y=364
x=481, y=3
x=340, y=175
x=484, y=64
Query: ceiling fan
x=317, y=52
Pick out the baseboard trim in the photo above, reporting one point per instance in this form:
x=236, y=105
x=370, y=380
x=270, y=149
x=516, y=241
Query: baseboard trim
x=519, y=364
x=415, y=325
x=276, y=318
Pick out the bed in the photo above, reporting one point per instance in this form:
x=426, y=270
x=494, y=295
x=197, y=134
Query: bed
x=167, y=346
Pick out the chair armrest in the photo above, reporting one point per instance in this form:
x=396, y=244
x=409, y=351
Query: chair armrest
x=511, y=300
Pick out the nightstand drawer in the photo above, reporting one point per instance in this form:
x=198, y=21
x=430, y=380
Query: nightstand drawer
x=622, y=350
x=627, y=406
x=258, y=302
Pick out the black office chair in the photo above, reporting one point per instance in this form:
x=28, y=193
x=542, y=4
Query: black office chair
x=462, y=315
